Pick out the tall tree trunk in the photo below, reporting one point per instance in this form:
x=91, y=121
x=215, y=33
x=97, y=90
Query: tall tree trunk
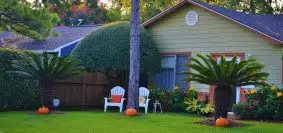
x=222, y=97
x=134, y=75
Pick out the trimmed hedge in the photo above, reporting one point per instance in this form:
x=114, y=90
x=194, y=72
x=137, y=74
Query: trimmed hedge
x=107, y=49
x=16, y=92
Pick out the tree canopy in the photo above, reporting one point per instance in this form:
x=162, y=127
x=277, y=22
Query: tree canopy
x=91, y=11
x=121, y=9
x=148, y=8
x=107, y=49
x=20, y=17
x=251, y=6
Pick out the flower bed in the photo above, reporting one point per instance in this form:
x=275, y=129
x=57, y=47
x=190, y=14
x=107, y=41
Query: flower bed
x=264, y=103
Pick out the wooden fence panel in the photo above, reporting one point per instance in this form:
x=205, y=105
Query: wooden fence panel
x=87, y=90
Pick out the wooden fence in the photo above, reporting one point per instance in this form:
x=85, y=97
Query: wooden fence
x=88, y=90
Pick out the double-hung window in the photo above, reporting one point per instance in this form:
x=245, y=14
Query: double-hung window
x=172, y=73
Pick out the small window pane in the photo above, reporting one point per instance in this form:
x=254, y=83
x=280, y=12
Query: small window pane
x=181, y=64
x=168, y=62
x=180, y=69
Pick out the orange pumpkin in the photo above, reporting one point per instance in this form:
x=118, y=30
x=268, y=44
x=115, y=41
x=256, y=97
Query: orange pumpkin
x=221, y=122
x=43, y=110
x=131, y=112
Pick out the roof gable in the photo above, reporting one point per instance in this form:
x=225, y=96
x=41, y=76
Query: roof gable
x=268, y=26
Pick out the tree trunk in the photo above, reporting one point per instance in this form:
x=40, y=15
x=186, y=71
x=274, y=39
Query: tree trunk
x=222, y=97
x=46, y=93
x=134, y=75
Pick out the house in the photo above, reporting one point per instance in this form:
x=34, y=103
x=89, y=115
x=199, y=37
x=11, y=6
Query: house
x=64, y=40
x=191, y=27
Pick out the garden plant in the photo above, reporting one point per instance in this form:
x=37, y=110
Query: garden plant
x=225, y=76
x=45, y=68
x=263, y=103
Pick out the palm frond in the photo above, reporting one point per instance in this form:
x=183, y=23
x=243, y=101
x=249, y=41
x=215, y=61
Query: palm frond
x=46, y=66
x=225, y=73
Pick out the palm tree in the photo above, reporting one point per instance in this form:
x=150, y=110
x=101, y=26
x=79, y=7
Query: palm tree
x=134, y=75
x=225, y=76
x=46, y=68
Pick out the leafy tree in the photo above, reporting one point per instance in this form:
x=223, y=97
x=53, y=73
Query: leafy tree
x=107, y=49
x=225, y=75
x=91, y=11
x=148, y=8
x=250, y=6
x=46, y=69
x=21, y=18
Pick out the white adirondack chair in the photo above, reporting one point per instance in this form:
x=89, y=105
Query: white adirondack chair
x=145, y=93
x=118, y=90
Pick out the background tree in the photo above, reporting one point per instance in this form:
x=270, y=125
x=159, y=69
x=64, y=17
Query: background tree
x=251, y=6
x=19, y=17
x=91, y=11
x=107, y=49
x=121, y=9
x=46, y=69
x=148, y=8
x=225, y=75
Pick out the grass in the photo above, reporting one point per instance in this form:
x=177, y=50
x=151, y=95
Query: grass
x=99, y=122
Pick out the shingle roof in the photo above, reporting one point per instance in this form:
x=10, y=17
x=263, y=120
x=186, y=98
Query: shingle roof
x=66, y=35
x=270, y=26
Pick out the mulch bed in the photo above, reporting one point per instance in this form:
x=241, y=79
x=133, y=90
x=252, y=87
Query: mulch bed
x=211, y=122
x=51, y=112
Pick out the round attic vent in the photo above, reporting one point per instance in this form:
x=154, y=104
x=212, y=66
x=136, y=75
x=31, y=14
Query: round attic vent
x=192, y=18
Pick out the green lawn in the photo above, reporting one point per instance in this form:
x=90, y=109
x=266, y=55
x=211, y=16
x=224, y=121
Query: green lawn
x=98, y=122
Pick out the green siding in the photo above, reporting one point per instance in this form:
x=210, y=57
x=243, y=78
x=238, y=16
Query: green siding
x=214, y=34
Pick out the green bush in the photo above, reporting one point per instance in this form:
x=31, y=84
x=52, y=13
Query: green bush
x=265, y=103
x=108, y=49
x=195, y=106
x=171, y=100
x=192, y=93
x=242, y=110
x=16, y=92
x=164, y=96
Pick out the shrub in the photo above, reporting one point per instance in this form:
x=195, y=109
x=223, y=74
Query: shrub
x=16, y=92
x=192, y=93
x=171, y=100
x=196, y=107
x=107, y=49
x=265, y=103
x=178, y=98
x=242, y=110
x=164, y=96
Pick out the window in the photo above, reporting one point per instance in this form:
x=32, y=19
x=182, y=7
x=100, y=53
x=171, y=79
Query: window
x=172, y=73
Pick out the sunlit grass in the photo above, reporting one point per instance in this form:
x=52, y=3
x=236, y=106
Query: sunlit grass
x=99, y=122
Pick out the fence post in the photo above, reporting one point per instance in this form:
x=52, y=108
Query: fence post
x=83, y=91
